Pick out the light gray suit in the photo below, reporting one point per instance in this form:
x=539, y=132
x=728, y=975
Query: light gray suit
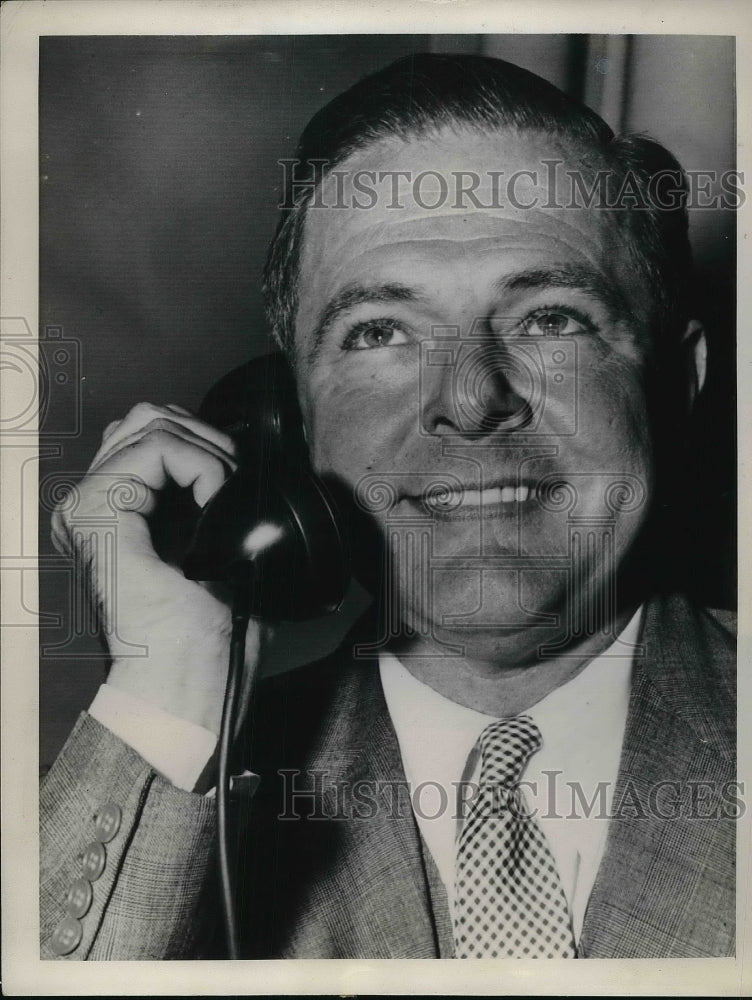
x=358, y=882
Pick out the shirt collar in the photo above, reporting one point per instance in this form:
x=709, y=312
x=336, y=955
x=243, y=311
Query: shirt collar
x=436, y=735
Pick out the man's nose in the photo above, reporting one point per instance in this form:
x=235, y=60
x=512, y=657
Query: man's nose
x=483, y=390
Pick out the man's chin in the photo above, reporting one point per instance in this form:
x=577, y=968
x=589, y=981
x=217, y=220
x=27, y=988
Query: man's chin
x=488, y=618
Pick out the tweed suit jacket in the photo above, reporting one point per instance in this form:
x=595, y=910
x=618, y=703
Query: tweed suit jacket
x=332, y=864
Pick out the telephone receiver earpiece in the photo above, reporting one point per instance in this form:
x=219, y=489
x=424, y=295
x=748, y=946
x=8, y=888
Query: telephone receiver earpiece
x=273, y=525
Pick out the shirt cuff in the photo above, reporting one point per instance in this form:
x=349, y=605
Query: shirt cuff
x=178, y=749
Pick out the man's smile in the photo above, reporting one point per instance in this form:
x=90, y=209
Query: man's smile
x=469, y=502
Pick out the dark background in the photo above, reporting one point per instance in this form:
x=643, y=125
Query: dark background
x=158, y=187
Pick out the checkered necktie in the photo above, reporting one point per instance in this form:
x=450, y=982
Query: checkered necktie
x=509, y=902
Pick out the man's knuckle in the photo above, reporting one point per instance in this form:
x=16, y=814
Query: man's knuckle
x=159, y=433
x=110, y=429
x=142, y=409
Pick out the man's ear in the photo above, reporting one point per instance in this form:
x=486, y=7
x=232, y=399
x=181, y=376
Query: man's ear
x=694, y=348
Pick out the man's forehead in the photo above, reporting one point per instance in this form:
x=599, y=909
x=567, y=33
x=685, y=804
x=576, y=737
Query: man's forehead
x=459, y=182
x=449, y=192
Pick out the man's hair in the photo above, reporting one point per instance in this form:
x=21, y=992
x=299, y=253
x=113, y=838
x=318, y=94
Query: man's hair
x=420, y=94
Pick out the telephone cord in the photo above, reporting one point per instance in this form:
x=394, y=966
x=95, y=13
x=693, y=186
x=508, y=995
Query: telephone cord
x=240, y=619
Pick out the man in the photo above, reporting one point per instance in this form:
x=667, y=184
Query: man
x=527, y=749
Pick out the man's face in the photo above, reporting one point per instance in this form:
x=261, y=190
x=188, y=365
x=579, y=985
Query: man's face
x=501, y=351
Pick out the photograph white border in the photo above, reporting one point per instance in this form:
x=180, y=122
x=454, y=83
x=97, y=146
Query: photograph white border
x=21, y=24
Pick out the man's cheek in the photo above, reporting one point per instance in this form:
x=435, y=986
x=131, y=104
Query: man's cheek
x=356, y=430
x=344, y=447
x=600, y=389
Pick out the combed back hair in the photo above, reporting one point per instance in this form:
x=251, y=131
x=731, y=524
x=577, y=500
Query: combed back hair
x=420, y=94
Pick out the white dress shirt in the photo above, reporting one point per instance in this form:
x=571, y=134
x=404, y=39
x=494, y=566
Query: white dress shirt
x=582, y=725
x=178, y=749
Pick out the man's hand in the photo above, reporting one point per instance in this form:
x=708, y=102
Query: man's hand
x=142, y=599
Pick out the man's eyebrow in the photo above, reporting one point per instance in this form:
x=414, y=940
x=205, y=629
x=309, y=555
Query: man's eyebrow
x=353, y=295
x=576, y=276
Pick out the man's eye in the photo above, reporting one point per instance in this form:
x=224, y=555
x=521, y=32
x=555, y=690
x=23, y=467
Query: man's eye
x=366, y=336
x=552, y=323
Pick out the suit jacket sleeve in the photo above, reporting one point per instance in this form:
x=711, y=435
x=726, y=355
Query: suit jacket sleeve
x=151, y=898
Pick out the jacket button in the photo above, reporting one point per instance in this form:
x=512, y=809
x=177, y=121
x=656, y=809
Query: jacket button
x=107, y=822
x=93, y=861
x=67, y=936
x=79, y=897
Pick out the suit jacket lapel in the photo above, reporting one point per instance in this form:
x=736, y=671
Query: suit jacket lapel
x=668, y=871
x=390, y=914
x=352, y=882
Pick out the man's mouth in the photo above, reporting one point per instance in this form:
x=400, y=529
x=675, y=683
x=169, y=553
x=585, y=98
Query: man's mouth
x=485, y=498
x=472, y=502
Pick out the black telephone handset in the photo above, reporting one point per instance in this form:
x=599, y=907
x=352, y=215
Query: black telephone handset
x=273, y=522
x=273, y=534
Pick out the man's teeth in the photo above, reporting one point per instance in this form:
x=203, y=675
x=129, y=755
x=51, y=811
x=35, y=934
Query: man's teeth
x=494, y=495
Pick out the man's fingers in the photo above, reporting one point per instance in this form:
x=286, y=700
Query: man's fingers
x=144, y=414
x=131, y=468
x=164, y=454
x=119, y=442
